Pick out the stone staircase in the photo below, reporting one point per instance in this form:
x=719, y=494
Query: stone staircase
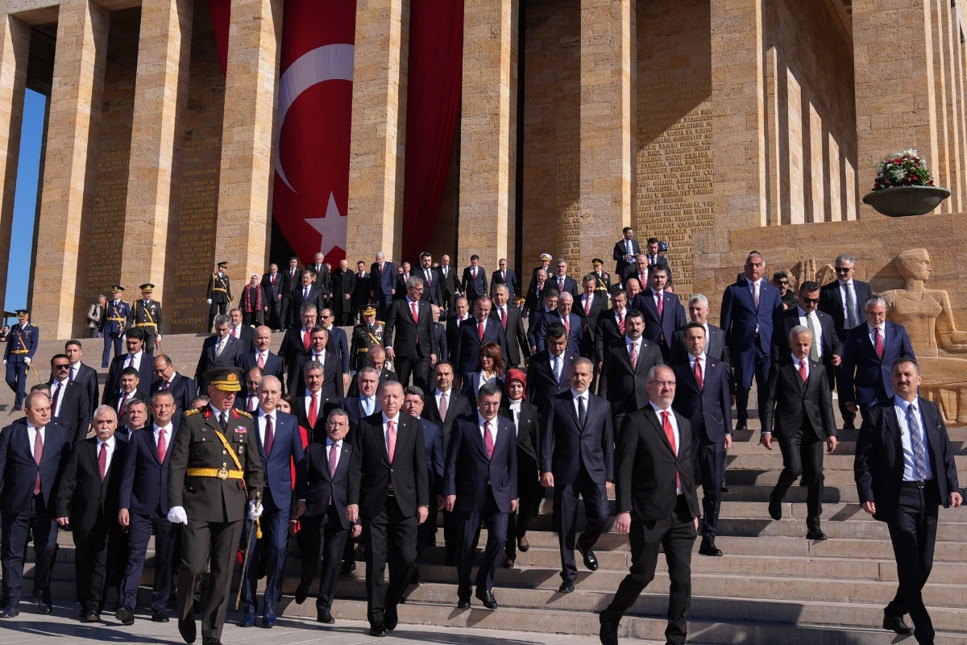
x=771, y=586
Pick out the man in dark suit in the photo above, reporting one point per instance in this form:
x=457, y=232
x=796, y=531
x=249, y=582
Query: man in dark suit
x=562, y=281
x=799, y=411
x=535, y=293
x=509, y=317
x=218, y=351
x=748, y=309
x=476, y=333
x=402, y=275
x=364, y=402
x=547, y=373
x=322, y=279
x=544, y=266
x=87, y=502
x=389, y=493
x=361, y=294
x=319, y=352
x=298, y=338
x=69, y=404
x=291, y=279
x=449, y=282
x=126, y=394
x=473, y=284
x=143, y=509
x=638, y=271
x=338, y=341
x=136, y=358
x=504, y=276
x=209, y=498
x=343, y=287
x=414, y=401
x=577, y=459
x=869, y=352
x=382, y=284
x=413, y=349
x=83, y=374
x=625, y=251
x=432, y=287
x=262, y=357
x=904, y=469
x=32, y=457
x=664, y=313
x=241, y=331
x=702, y=396
x=272, y=286
x=480, y=486
x=611, y=326
x=439, y=335
x=589, y=307
x=307, y=292
x=182, y=388
x=322, y=513
x=542, y=318
x=656, y=505
x=626, y=366
x=314, y=398
x=714, y=336
x=460, y=315
x=825, y=347
x=280, y=444
x=573, y=323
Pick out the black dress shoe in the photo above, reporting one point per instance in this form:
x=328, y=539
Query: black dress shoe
x=323, y=616
x=508, y=562
x=848, y=425
x=566, y=587
x=347, y=568
x=44, y=606
x=896, y=624
x=708, y=548
x=301, y=593
x=590, y=560
x=92, y=616
x=159, y=616
x=523, y=545
x=390, y=618
x=608, y=632
x=815, y=534
x=125, y=615
x=10, y=611
x=186, y=628
x=775, y=508
x=725, y=489
x=211, y=640
x=377, y=630
x=463, y=604
x=486, y=596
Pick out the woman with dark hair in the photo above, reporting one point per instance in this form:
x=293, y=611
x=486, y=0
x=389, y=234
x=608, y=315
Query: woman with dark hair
x=490, y=370
x=529, y=491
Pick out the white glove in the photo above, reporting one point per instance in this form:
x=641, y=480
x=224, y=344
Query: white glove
x=209, y=301
x=254, y=510
x=4, y=362
x=177, y=515
x=27, y=360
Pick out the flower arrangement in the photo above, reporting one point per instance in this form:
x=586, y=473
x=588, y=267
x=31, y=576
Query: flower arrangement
x=905, y=168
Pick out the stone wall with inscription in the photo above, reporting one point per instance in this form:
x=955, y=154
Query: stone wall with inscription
x=674, y=133
x=191, y=239
x=552, y=70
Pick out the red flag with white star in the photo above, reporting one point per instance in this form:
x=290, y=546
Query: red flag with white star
x=314, y=118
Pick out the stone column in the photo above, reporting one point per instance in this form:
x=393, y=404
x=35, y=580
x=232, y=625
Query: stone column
x=248, y=132
x=14, y=50
x=375, y=215
x=488, y=132
x=159, y=95
x=75, y=106
x=607, y=128
x=738, y=117
x=892, y=90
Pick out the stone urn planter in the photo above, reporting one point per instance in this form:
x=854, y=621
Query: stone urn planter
x=904, y=201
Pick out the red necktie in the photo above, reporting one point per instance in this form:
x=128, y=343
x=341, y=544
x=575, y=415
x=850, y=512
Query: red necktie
x=878, y=343
x=313, y=411
x=234, y=332
x=567, y=324
x=475, y=274
x=480, y=329
x=124, y=398
x=269, y=438
x=306, y=340
x=666, y=425
x=261, y=360
x=488, y=440
x=503, y=318
x=333, y=453
x=38, y=455
x=634, y=355
x=102, y=460
x=391, y=440
x=661, y=305
x=698, y=374
x=162, y=446
x=416, y=317
x=587, y=305
x=802, y=370
x=164, y=386
x=621, y=323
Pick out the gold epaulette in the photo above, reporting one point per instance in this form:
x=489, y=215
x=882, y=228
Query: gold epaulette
x=188, y=413
x=244, y=413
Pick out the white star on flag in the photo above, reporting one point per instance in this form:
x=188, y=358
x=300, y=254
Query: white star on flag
x=332, y=227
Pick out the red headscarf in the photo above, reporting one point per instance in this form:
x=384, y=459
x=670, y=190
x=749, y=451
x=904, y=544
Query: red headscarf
x=515, y=374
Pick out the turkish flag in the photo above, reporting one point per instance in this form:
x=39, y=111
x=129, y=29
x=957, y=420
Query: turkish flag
x=311, y=189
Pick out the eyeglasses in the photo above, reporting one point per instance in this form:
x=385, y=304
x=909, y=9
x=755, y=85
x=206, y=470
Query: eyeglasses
x=812, y=301
x=843, y=269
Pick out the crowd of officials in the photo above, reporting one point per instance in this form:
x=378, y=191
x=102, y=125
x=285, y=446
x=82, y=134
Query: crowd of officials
x=459, y=391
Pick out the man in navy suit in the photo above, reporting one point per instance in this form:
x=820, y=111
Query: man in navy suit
x=714, y=336
x=474, y=281
x=868, y=355
x=562, y=281
x=322, y=512
x=414, y=400
x=509, y=317
x=136, y=358
x=826, y=347
x=408, y=337
x=799, y=411
x=663, y=310
x=547, y=373
x=480, y=485
x=143, y=508
x=83, y=374
x=611, y=326
x=112, y=325
x=218, y=351
x=182, y=388
x=320, y=353
x=432, y=285
x=291, y=278
x=577, y=459
x=32, y=457
x=69, y=404
x=382, y=284
x=543, y=317
x=506, y=277
x=18, y=353
x=297, y=338
x=905, y=470
x=843, y=300
x=702, y=396
x=589, y=306
x=240, y=331
x=307, y=292
x=470, y=339
x=365, y=401
x=748, y=309
x=272, y=286
x=270, y=364
x=449, y=282
x=571, y=321
x=625, y=251
x=338, y=342
x=625, y=368
x=87, y=503
x=280, y=444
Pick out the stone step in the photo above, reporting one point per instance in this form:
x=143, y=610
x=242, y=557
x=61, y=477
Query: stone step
x=772, y=461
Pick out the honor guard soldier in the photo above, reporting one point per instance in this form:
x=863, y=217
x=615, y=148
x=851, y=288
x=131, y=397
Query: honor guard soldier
x=146, y=315
x=365, y=335
x=19, y=352
x=112, y=325
x=219, y=293
x=602, y=279
x=215, y=472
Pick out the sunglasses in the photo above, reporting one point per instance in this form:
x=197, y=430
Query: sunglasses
x=843, y=269
x=62, y=367
x=812, y=301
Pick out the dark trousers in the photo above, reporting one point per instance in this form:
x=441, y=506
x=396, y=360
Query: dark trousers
x=275, y=535
x=709, y=458
x=416, y=365
x=913, y=531
x=110, y=340
x=17, y=379
x=218, y=307
x=565, y=517
x=468, y=533
x=762, y=371
x=285, y=312
x=323, y=542
x=139, y=534
x=389, y=536
x=530, y=494
x=802, y=455
x=675, y=536
x=13, y=551
x=203, y=544
x=93, y=560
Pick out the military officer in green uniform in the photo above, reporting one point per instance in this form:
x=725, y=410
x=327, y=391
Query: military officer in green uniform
x=365, y=335
x=20, y=348
x=602, y=279
x=215, y=480
x=146, y=315
x=219, y=293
